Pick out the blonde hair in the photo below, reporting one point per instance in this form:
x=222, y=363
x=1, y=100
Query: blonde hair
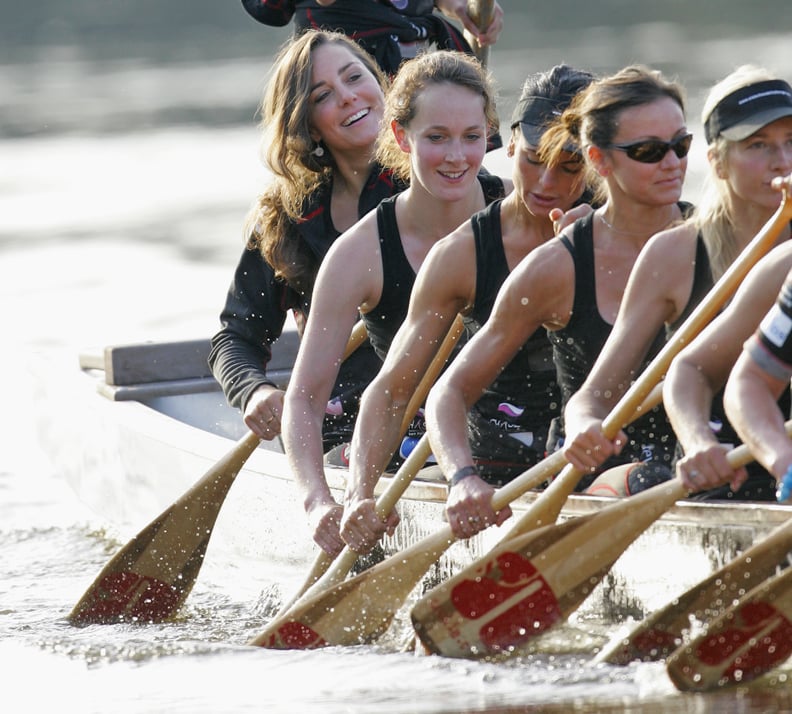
x=415, y=76
x=714, y=216
x=287, y=151
x=593, y=117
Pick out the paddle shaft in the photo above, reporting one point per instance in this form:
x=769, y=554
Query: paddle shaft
x=149, y=578
x=356, y=338
x=320, y=576
x=481, y=12
x=548, y=505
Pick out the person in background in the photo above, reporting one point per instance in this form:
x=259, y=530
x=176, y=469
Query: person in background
x=321, y=115
x=390, y=30
x=462, y=274
x=632, y=131
x=439, y=111
x=679, y=266
x=762, y=373
x=749, y=130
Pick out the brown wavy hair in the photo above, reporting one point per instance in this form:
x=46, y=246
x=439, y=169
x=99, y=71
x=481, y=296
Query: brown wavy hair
x=413, y=77
x=287, y=152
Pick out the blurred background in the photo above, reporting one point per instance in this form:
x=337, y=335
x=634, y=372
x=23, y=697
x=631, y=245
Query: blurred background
x=138, y=120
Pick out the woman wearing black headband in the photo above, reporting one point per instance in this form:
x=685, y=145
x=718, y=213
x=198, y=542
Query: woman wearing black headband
x=748, y=123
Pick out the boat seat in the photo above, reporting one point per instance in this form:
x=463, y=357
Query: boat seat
x=144, y=370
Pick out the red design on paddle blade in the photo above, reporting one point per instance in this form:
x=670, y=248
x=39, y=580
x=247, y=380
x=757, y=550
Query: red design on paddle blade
x=764, y=639
x=653, y=644
x=295, y=636
x=513, y=578
x=128, y=597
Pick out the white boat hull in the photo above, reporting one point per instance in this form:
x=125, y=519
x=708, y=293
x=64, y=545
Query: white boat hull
x=129, y=459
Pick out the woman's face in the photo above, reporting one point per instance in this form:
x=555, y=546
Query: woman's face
x=346, y=102
x=652, y=184
x=543, y=187
x=446, y=140
x=751, y=164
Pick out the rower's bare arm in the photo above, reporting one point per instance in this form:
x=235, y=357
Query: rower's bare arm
x=343, y=283
x=750, y=399
x=444, y=287
x=537, y=292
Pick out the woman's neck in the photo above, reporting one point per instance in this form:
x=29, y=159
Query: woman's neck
x=748, y=220
x=426, y=217
x=636, y=222
x=351, y=173
x=525, y=223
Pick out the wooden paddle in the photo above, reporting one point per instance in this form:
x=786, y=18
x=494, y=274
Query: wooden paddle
x=401, y=480
x=152, y=575
x=437, y=616
x=659, y=634
x=747, y=640
x=360, y=609
x=481, y=12
x=537, y=580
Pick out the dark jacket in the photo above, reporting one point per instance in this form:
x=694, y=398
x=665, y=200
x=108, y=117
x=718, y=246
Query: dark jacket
x=257, y=304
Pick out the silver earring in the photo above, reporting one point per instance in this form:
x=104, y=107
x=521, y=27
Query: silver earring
x=318, y=152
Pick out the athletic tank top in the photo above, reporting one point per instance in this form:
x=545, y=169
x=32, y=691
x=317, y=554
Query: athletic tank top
x=525, y=396
x=398, y=277
x=577, y=345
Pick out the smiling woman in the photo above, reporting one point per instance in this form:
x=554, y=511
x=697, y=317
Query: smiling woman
x=438, y=114
x=321, y=114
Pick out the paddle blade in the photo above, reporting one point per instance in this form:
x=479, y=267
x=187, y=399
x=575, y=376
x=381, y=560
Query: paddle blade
x=746, y=641
x=658, y=635
x=152, y=575
x=495, y=606
x=530, y=583
x=358, y=610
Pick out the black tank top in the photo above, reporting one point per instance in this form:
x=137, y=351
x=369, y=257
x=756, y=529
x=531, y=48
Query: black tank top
x=577, y=345
x=398, y=277
x=525, y=394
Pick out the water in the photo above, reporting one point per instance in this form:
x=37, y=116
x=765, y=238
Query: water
x=129, y=155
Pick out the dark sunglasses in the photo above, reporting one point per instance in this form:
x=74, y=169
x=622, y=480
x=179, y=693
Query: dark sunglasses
x=653, y=151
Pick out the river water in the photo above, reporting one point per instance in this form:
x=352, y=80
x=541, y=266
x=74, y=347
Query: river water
x=129, y=155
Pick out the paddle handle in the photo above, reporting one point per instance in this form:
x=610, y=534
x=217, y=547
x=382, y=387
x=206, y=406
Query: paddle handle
x=356, y=338
x=481, y=12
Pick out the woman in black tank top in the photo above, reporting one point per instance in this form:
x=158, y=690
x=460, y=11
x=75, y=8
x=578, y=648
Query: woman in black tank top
x=462, y=274
x=747, y=119
x=438, y=114
x=640, y=199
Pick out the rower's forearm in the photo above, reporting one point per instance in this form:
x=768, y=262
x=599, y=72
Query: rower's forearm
x=376, y=438
x=301, y=430
x=446, y=425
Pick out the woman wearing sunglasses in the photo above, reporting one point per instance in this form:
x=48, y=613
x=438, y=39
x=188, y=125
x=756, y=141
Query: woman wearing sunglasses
x=573, y=285
x=748, y=145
